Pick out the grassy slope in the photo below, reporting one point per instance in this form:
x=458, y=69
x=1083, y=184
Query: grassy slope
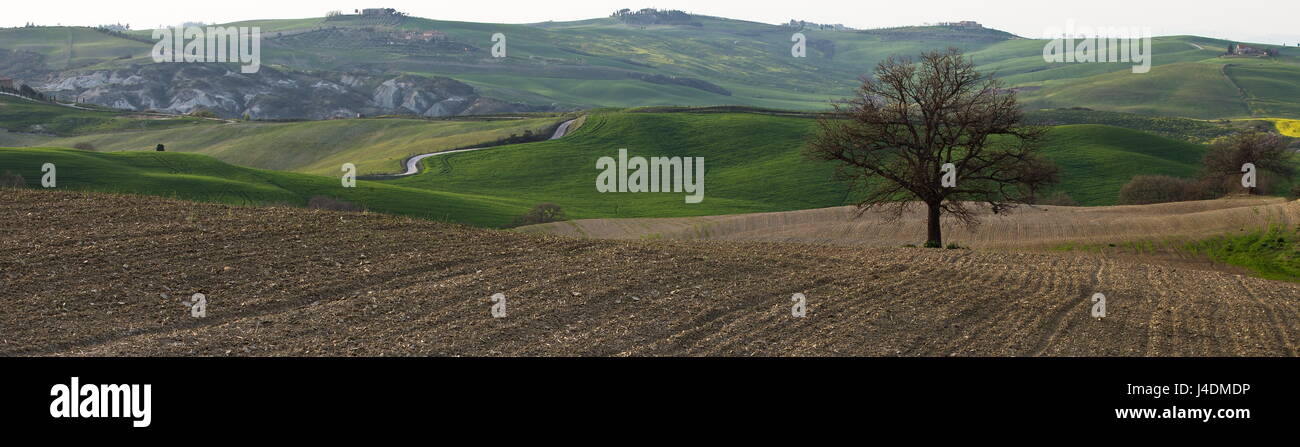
x=754, y=164
x=753, y=61
x=21, y=114
x=202, y=178
x=587, y=63
x=1271, y=89
x=1195, y=131
x=1273, y=253
x=1196, y=90
x=319, y=147
x=71, y=47
x=752, y=161
x=1097, y=160
x=1270, y=252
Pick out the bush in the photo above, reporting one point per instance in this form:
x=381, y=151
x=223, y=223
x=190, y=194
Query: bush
x=540, y=214
x=1148, y=189
x=332, y=204
x=11, y=180
x=1295, y=191
x=85, y=146
x=203, y=113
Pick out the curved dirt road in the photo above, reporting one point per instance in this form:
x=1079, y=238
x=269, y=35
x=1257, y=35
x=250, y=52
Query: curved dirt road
x=413, y=163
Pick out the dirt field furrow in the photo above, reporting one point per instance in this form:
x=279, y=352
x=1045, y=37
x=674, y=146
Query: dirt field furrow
x=1023, y=227
x=1276, y=327
x=109, y=275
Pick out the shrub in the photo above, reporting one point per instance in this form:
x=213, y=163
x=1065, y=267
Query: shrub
x=84, y=145
x=540, y=214
x=11, y=180
x=1148, y=189
x=203, y=113
x=332, y=204
x=1203, y=189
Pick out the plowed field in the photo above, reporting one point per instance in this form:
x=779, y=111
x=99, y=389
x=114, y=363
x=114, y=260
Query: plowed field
x=106, y=275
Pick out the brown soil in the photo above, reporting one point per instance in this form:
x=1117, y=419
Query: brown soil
x=104, y=275
x=1024, y=227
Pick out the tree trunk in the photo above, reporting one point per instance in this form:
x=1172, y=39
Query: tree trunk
x=934, y=236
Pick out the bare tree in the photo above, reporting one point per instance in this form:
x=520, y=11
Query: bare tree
x=894, y=136
x=1267, y=151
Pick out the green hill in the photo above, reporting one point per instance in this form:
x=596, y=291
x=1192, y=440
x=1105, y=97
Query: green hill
x=1182, y=129
x=375, y=146
x=29, y=116
x=716, y=61
x=1097, y=160
x=71, y=47
x=1194, y=90
x=754, y=163
x=202, y=178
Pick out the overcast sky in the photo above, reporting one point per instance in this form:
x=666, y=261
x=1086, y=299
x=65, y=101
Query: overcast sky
x=1262, y=21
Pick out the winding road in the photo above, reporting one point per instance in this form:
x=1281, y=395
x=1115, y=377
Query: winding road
x=413, y=163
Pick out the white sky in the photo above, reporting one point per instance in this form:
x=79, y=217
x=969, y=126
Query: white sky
x=1261, y=21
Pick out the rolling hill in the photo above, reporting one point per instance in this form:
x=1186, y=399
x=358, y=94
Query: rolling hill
x=205, y=179
x=1097, y=160
x=18, y=114
x=754, y=163
x=375, y=146
x=620, y=62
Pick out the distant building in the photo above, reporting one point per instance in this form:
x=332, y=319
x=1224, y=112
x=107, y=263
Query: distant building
x=965, y=24
x=6, y=83
x=1247, y=50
